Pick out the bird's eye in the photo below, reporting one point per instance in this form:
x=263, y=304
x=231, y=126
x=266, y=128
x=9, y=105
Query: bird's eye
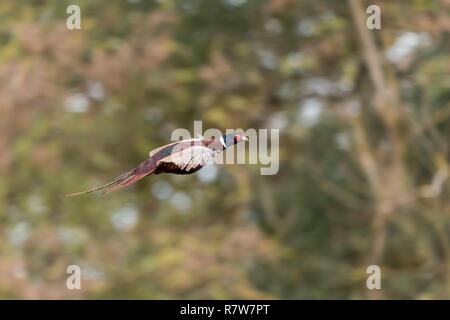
x=237, y=138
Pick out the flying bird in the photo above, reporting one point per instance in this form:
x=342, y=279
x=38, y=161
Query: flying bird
x=180, y=157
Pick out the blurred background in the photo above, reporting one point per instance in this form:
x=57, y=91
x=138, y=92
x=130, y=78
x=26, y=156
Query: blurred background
x=364, y=119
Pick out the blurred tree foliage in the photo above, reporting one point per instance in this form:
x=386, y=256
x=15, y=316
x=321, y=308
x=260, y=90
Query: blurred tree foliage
x=364, y=149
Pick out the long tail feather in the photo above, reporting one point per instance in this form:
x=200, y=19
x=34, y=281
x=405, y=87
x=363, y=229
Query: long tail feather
x=144, y=169
x=125, y=183
x=118, y=182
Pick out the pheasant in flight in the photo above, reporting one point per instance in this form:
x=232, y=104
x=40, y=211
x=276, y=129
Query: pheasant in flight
x=181, y=157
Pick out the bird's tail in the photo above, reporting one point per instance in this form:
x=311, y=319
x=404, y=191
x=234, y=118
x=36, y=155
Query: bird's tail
x=120, y=182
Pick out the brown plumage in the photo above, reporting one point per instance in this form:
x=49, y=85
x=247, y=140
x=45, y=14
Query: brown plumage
x=181, y=157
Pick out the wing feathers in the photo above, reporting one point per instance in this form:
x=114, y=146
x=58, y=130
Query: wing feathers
x=189, y=158
x=182, y=142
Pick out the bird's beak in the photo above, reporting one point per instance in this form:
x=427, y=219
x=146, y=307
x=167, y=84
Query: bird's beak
x=244, y=138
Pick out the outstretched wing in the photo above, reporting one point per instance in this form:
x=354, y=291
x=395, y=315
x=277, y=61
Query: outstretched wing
x=186, y=160
x=170, y=146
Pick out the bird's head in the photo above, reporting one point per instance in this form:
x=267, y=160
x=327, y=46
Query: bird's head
x=232, y=138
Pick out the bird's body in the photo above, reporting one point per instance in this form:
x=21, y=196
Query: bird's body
x=181, y=157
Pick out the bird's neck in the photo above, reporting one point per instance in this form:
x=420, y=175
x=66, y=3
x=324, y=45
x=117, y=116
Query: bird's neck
x=215, y=145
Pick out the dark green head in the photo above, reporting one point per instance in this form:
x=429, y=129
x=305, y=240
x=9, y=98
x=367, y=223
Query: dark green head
x=232, y=138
